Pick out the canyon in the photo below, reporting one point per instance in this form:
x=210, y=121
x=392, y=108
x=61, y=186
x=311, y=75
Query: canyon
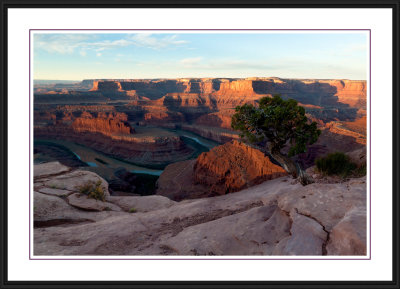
x=136, y=120
x=110, y=133
x=105, y=113
x=177, y=178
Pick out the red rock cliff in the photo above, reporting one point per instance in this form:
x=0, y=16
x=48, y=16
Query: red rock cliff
x=107, y=124
x=234, y=166
x=238, y=87
x=200, y=87
x=106, y=86
x=351, y=92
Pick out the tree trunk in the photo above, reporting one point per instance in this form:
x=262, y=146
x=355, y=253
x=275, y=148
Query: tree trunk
x=303, y=177
x=291, y=167
x=286, y=163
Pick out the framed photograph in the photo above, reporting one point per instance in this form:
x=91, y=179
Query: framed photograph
x=200, y=145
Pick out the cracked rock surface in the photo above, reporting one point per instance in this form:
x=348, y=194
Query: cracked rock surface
x=277, y=217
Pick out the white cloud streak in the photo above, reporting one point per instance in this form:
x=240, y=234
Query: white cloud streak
x=149, y=41
x=83, y=43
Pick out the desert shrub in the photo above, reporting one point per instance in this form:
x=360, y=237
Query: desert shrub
x=132, y=210
x=93, y=190
x=361, y=170
x=336, y=164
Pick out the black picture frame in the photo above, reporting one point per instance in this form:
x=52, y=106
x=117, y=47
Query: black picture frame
x=64, y=4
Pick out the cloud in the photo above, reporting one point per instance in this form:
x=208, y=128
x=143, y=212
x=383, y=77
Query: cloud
x=107, y=44
x=69, y=43
x=98, y=54
x=60, y=43
x=149, y=41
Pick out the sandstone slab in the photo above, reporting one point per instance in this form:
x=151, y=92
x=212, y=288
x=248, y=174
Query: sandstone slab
x=72, y=181
x=272, y=218
x=54, y=192
x=142, y=203
x=327, y=203
x=47, y=169
x=52, y=211
x=225, y=236
x=307, y=237
x=84, y=202
x=117, y=234
x=348, y=237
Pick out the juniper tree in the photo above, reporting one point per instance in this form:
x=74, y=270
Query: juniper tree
x=279, y=124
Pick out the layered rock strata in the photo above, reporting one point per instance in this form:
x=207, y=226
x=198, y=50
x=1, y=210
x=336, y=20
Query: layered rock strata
x=111, y=134
x=350, y=92
x=146, y=151
x=107, y=124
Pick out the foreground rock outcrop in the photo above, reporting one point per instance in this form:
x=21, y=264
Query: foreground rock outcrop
x=234, y=166
x=277, y=217
x=224, y=169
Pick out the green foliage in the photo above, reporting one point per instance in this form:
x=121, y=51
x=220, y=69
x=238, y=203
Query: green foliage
x=361, y=171
x=278, y=121
x=336, y=164
x=93, y=190
x=132, y=210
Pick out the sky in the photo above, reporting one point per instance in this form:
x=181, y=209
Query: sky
x=78, y=56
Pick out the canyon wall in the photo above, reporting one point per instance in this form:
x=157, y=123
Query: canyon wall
x=313, y=91
x=351, y=92
x=348, y=93
x=153, y=152
x=110, y=133
x=107, y=124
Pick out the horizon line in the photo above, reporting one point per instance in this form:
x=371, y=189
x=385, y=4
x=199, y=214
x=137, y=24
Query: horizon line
x=173, y=78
